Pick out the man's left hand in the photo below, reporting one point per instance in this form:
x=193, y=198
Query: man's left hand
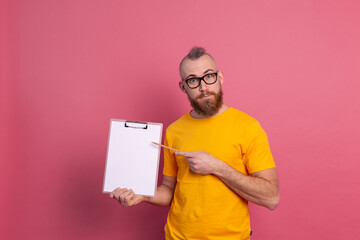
x=201, y=162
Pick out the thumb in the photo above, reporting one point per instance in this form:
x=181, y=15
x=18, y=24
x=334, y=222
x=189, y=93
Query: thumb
x=184, y=153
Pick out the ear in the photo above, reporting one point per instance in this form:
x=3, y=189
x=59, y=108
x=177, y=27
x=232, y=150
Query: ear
x=182, y=86
x=221, y=76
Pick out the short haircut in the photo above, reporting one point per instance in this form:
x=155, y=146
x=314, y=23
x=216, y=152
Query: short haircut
x=195, y=53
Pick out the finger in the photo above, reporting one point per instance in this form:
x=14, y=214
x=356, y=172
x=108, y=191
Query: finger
x=136, y=199
x=112, y=194
x=193, y=169
x=186, y=153
x=124, y=195
x=119, y=193
x=128, y=198
x=191, y=160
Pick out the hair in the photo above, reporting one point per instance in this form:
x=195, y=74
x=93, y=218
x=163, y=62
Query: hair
x=195, y=53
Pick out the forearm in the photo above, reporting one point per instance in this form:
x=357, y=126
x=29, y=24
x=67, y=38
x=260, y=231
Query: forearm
x=260, y=188
x=163, y=196
x=254, y=189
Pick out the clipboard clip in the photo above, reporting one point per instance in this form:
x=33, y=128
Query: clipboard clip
x=136, y=124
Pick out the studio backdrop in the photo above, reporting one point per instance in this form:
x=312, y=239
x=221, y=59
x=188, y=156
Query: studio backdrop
x=68, y=67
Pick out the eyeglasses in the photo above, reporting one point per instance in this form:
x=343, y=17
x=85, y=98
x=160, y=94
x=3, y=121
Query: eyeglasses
x=209, y=78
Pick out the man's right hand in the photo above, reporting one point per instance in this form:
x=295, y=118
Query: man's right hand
x=163, y=196
x=126, y=197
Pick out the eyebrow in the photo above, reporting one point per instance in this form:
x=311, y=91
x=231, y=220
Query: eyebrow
x=193, y=75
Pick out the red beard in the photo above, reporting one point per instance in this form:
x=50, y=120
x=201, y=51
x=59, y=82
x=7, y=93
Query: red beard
x=208, y=107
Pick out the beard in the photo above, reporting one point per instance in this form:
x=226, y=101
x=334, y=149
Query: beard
x=208, y=107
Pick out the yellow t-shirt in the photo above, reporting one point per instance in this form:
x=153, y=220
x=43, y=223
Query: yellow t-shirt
x=203, y=207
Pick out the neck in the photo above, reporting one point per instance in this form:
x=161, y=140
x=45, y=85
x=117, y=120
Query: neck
x=197, y=115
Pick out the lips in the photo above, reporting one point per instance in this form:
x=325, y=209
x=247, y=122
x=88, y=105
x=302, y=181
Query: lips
x=207, y=95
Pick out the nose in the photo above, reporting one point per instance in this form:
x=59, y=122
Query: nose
x=203, y=86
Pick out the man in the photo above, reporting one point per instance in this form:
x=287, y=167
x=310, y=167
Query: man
x=224, y=161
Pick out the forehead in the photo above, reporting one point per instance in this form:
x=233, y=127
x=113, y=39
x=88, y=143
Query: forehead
x=198, y=66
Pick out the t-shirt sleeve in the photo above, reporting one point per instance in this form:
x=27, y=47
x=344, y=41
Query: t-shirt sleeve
x=258, y=155
x=170, y=165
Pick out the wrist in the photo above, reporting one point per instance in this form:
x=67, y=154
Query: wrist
x=146, y=199
x=220, y=169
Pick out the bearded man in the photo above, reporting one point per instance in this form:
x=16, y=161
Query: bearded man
x=224, y=161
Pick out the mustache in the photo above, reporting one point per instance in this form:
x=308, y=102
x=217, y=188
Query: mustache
x=205, y=94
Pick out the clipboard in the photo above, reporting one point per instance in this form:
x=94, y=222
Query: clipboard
x=132, y=161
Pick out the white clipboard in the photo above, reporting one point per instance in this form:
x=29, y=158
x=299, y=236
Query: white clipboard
x=132, y=160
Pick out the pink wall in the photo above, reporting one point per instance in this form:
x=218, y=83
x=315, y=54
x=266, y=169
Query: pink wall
x=67, y=67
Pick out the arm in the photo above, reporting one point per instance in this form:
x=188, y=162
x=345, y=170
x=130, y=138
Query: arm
x=164, y=193
x=163, y=196
x=260, y=187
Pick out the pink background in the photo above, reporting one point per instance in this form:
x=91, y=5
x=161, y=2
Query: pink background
x=67, y=67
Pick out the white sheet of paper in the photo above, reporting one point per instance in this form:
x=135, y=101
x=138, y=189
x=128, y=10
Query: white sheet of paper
x=132, y=160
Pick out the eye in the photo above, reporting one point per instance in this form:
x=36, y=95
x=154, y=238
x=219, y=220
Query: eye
x=192, y=80
x=210, y=75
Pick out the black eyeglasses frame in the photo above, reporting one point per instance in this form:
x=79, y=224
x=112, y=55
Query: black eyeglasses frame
x=201, y=78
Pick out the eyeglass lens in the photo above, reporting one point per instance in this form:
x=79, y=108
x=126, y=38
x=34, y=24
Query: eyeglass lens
x=208, y=79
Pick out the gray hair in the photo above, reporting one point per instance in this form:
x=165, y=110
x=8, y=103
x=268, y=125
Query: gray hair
x=195, y=53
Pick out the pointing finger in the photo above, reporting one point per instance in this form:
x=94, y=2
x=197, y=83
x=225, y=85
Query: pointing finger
x=185, y=153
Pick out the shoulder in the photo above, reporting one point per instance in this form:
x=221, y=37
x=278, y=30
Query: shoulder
x=248, y=124
x=235, y=113
x=241, y=117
